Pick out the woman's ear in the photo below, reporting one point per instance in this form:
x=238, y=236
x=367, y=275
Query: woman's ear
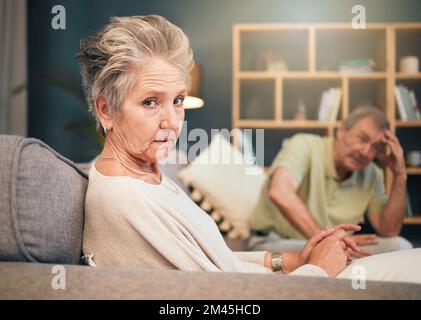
x=103, y=112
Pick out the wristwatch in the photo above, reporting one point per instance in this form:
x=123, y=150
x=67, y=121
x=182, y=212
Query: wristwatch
x=276, y=262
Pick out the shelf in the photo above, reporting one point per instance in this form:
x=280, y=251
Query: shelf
x=252, y=27
x=413, y=170
x=363, y=76
x=406, y=26
x=408, y=76
x=286, y=124
x=408, y=123
x=313, y=75
x=416, y=219
x=309, y=75
x=288, y=75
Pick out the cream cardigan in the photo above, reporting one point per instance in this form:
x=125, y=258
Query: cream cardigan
x=130, y=222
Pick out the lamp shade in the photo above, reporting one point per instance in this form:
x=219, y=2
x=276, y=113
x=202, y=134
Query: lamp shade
x=192, y=101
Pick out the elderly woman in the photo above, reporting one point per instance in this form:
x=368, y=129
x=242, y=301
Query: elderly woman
x=136, y=76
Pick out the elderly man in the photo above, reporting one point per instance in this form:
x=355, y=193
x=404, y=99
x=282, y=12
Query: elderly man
x=316, y=182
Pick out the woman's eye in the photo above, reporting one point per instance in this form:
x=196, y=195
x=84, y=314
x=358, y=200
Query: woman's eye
x=179, y=101
x=150, y=103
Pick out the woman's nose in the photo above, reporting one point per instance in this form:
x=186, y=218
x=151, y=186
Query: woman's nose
x=170, y=119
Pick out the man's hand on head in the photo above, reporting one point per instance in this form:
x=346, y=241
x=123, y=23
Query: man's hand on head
x=395, y=158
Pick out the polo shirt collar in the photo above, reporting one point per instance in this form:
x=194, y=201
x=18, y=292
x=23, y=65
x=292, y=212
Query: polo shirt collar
x=330, y=168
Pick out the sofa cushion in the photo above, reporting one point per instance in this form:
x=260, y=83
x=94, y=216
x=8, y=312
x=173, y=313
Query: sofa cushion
x=224, y=185
x=42, y=203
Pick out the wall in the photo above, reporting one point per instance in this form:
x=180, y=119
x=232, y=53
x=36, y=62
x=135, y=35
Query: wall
x=18, y=102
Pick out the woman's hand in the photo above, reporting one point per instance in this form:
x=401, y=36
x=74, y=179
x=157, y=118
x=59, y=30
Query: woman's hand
x=293, y=260
x=346, y=242
x=330, y=255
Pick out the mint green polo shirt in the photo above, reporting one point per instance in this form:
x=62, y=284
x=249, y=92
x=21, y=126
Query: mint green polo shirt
x=331, y=201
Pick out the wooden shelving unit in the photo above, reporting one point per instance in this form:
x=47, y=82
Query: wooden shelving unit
x=413, y=220
x=413, y=170
x=408, y=123
x=312, y=53
x=408, y=76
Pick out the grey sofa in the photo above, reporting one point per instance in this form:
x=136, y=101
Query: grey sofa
x=41, y=223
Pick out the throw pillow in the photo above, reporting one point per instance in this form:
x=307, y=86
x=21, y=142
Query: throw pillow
x=224, y=186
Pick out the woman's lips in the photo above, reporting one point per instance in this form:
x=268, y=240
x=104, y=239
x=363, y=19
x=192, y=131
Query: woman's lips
x=162, y=142
x=162, y=139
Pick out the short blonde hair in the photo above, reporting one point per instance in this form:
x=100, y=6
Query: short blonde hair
x=108, y=57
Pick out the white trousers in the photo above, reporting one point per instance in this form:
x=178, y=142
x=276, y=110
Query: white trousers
x=397, y=266
x=275, y=243
x=393, y=259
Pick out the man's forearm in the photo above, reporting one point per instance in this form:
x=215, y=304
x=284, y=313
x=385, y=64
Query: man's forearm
x=393, y=213
x=297, y=213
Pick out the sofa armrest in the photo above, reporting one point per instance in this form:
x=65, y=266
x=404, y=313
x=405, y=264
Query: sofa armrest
x=21, y=280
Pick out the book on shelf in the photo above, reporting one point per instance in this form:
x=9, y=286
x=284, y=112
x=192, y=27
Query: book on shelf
x=357, y=66
x=401, y=106
x=336, y=104
x=414, y=105
x=407, y=103
x=323, y=106
x=329, y=105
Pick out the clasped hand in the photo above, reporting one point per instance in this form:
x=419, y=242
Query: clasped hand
x=331, y=249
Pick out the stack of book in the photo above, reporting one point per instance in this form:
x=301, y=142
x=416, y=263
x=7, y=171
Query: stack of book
x=357, y=66
x=407, y=103
x=329, y=105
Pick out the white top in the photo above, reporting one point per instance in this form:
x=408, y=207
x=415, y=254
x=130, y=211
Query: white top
x=130, y=222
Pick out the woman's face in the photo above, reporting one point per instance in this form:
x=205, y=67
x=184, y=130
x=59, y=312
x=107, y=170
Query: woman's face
x=152, y=114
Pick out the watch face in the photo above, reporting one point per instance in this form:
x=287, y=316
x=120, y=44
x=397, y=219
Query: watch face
x=276, y=262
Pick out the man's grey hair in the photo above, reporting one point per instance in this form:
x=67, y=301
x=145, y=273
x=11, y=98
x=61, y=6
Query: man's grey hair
x=108, y=58
x=360, y=113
